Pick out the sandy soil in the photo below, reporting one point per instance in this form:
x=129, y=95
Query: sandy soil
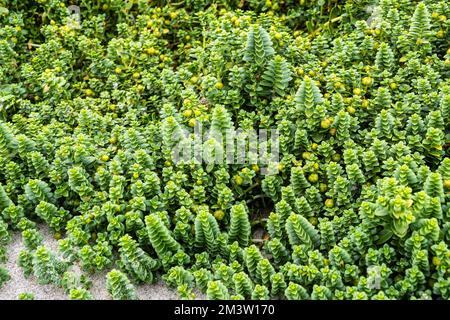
x=19, y=284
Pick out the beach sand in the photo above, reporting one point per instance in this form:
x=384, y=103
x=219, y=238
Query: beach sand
x=19, y=284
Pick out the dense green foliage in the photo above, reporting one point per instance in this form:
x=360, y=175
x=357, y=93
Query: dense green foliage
x=357, y=208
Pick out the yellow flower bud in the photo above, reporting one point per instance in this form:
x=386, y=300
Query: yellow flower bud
x=325, y=123
x=329, y=203
x=219, y=214
x=351, y=110
x=313, y=177
x=447, y=184
x=367, y=81
x=365, y=103
x=313, y=220
x=336, y=157
x=187, y=113
x=192, y=122
x=238, y=179
x=357, y=91
x=332, y=131
x=194, y=79
x=436, y=261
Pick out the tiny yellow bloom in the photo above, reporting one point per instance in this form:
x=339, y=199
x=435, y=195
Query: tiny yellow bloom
x=365, y=103
x=313, y=221
x=194, y=79
x=192, y=122
x=447, y=184
x=336, y=157
x=313, y=177
x=367, y=81
x=325, y=123
x=329, y=203
x=238, y=179
x=436, y=261
x=219, y=214
x=323, y=187
x=351, y=110
x=357, y=91
x=187, y=113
